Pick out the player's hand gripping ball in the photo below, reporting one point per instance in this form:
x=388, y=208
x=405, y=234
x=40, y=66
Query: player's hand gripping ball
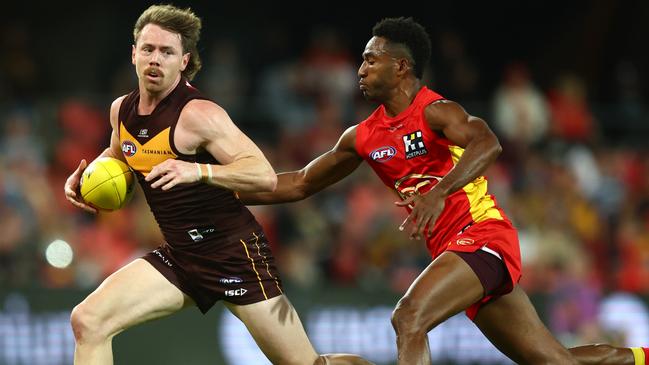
x=107, y=184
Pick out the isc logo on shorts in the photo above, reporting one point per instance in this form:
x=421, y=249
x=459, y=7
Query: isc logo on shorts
x=235, y=292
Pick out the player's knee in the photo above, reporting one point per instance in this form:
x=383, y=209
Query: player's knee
x=406, y=317
x=341, y=359
x=321, y=360
x=86, y=324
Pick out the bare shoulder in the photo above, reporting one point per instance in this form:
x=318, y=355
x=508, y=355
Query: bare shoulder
x=350, y=132
x=348, y=139
x=199, y=114
x=114, y=109
x=443, y=112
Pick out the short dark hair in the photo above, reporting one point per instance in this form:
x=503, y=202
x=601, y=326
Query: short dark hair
x=409, y=33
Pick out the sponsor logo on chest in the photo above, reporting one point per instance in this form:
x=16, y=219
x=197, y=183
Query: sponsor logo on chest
x=413, y=143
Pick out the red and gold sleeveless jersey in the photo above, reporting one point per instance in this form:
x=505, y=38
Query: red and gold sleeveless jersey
x=188, y=214
x=411, y=158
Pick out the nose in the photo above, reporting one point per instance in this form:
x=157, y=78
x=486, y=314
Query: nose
x=362, y=70
x=155, y=58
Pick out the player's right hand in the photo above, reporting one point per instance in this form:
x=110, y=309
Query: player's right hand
x=72, y=189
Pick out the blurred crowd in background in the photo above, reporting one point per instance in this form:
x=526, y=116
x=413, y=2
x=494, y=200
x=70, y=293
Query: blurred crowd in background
x=573, y=176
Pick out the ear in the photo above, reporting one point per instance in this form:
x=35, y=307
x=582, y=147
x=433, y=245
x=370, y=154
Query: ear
x=133, y=54
x=185, y=61
x=403, y=66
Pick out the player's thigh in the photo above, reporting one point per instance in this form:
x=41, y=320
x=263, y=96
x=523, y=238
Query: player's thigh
x=277, y=329
x=446, y=287
x=134, y=294
x=511, y=323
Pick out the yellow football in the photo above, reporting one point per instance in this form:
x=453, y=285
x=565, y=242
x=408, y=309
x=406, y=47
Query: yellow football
x=107, y=183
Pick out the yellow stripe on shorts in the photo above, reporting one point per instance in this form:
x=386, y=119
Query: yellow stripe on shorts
x=254, y=269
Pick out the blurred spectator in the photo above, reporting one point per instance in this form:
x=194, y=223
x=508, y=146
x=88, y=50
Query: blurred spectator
x=572, y=120
x=520, y=110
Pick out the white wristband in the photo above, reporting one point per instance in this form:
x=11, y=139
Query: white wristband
x=198, y=171
x=209, y=172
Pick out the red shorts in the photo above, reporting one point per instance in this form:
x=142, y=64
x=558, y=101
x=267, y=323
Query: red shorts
x=496, y=236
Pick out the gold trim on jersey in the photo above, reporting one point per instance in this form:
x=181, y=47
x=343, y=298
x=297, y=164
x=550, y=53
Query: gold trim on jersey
x=482, y=205
x=254, y=268
x=149, y=154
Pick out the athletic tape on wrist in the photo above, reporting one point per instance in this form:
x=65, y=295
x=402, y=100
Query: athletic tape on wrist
x=198, y=171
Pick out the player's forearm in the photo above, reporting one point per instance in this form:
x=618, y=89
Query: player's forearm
x=244, y=175
x=288, y=190
x=478, y=155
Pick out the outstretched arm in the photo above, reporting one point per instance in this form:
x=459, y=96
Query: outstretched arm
x=481, y=148
x=325, y=170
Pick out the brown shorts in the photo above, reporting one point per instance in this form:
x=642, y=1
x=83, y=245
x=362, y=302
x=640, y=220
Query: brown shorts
x=493, y=276
x=239, y=272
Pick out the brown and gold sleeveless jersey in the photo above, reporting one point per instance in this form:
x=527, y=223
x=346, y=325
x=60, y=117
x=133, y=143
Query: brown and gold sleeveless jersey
x=187, y=214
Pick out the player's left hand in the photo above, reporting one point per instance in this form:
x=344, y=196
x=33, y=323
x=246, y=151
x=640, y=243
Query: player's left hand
x=172, y=172
x=426, y=209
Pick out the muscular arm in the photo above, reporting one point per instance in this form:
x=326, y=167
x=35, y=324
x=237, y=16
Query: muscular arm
x=205, y=125
x=481, y=147
x=325, y=170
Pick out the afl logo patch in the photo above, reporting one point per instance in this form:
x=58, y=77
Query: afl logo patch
x=383, y=154
x=128, y=148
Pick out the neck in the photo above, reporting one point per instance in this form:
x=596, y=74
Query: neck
x=402, y=96
x=149, y=100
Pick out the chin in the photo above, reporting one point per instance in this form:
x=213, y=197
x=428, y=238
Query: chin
x=153, y=88
x=368, y=96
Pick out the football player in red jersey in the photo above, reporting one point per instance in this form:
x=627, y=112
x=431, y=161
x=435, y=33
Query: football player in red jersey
x=433, y=153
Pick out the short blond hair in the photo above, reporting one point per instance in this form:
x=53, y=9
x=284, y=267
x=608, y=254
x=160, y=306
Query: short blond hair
x=181, y=21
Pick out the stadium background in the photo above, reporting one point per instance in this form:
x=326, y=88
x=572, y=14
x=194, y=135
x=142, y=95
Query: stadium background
x=564, y=87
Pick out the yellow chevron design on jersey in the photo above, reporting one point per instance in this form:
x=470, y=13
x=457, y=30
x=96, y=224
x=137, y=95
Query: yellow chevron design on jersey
x=482, y=205
x=149, y=154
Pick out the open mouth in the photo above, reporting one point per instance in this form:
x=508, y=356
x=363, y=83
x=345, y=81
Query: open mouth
x=153, y=74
